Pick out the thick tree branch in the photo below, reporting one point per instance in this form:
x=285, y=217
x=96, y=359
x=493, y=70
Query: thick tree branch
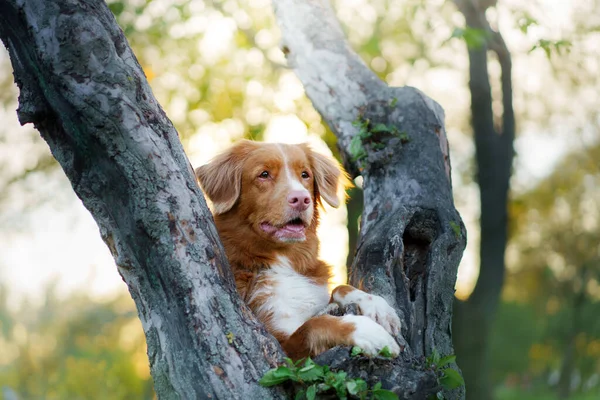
x=335, y=78
x=84, y=90
x=412, y=238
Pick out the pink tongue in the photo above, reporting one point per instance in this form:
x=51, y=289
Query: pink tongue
x=290, y=229
x=293, y=228
x=268, y=227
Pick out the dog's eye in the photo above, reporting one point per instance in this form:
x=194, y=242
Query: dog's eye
x=264, y=174
x=305, y=175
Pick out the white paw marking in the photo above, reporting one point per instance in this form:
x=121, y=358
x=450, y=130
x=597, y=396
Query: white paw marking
x=374, y=307
x=370, y=336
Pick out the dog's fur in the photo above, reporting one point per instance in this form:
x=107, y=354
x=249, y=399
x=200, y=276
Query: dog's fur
x=265, y=202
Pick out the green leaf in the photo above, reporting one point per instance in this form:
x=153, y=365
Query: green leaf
x=340, y=376
x=311, y=373
x=117, y=8
x=356, y=386
x=435, y=356
x=361, y=386
x=382, y=394
x=377, y=386
x=351, y=386
x=307, y=367
x=357, y=151
x=549, y=46
x=381, y=128
x=475, y=38
x=385, y=352
x=455, y=228
x=276, y=376
x=358, y=122
x=230, y=336
x=355, y=351
x=300, y=395
x=311, y=392
x=525, y=21
x=289, y=362
x=394, y=102
x=446, y=360
x=339, y=383
x=451, y=379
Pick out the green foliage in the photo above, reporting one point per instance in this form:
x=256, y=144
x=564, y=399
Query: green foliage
x=475, y=38
x=504, y=393
x=448, y=377
x=551, y=301
x=373, y=136
x=313, y=379
x=74, y=348
x=525, y=21
x=385, y=352
x=519, y=327
x=455, y=228
x=550, y=47
x=451, y=379
x=230, y=337
x=357, y=150
x=116, y=7
x=356, y=351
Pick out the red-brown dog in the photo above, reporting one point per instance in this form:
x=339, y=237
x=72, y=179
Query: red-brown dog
x=265, y=199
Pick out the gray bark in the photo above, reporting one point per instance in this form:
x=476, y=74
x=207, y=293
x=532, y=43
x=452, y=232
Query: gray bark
x=494, y=157
x=84, y=90
x=412, y=237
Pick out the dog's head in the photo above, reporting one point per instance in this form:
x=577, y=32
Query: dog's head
x=274, y=188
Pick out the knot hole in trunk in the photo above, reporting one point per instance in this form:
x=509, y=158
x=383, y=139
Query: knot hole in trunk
x=420, y=232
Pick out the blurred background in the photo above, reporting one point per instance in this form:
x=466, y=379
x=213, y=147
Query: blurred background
x=68, y=327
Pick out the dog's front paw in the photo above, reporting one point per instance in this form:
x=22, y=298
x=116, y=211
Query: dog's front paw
x=370, y=305
x=376, y=308
x=370, y=336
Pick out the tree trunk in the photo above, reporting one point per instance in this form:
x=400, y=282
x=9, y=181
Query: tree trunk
x=494, y=157
x=85, y=92
x=412, y=237
x=355, y=208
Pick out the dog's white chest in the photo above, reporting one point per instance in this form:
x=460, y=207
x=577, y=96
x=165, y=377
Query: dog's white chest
x=291, y=298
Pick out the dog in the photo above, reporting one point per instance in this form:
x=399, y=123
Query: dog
x=265, y=200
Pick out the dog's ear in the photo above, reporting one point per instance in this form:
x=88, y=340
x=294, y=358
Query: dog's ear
x=331, y=181
x=221, y=178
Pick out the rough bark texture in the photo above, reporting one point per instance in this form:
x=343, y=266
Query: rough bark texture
x=85, y=92
x=494, y=157
x=354, y=206
x=412, y=237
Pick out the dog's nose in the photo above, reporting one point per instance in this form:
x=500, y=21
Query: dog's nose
x=299, y=200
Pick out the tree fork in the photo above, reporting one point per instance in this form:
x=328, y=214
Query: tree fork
x=83, y=89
